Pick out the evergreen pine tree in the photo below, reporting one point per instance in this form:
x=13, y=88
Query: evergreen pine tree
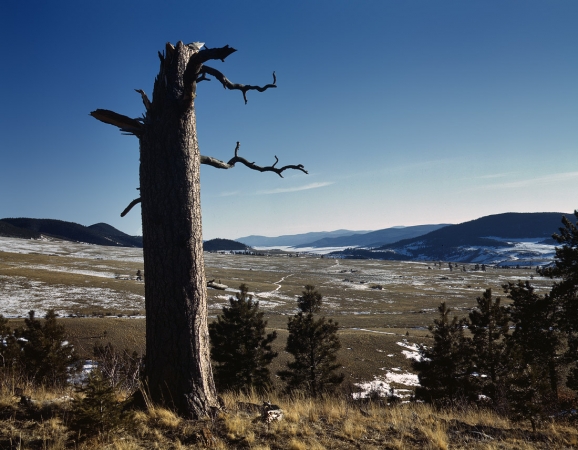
x=239, y=347
x=566, y=264
x=565, y=291
x=313, y=343
x=489, y=324
x=443, y=368
x=46, y=357
x=9, y=348
x=535, y=341
x=5, y=334
x=528, y=389
x=98, y=412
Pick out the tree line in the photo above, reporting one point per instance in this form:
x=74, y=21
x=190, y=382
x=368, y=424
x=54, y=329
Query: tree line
x=517, y=358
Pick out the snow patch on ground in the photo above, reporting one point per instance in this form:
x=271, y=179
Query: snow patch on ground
x=382, y=385
x=20, y=295
x=313, y=250
x=90, y=273
x=48, y=246
x=371, y=331
x=412, y=351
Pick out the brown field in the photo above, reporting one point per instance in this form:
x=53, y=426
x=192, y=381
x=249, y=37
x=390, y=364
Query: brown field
x=378, y=304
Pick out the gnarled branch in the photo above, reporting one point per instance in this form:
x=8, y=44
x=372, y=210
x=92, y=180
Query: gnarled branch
x=126, y=124
x=208, y=54
x=136, y=201
x=196, y=62
x=236, y=86
x=203, y=77
x=214, y=162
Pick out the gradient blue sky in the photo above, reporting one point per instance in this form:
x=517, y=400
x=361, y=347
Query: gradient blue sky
x=404, y=112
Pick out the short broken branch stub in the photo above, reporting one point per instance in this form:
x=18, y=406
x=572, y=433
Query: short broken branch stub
x=135, y=202
x=124, y=123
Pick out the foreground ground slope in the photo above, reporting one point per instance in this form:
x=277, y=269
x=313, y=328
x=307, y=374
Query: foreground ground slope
x=333, y=423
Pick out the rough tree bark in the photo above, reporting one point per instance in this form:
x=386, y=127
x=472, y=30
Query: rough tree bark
x=178, y=366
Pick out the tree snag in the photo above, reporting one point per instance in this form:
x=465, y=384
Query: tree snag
x=178, y=365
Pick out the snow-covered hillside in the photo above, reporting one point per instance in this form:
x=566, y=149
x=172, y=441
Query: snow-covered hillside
x=504, y=252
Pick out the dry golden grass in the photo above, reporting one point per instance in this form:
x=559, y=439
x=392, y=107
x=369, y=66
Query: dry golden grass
x=164, y=418
x=332, y=422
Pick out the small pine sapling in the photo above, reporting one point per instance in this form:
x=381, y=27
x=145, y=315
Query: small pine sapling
x=46, y=355
x=565, y=291
x=8, y=345
x=97, y=412
x=443, y=368
x=239, y=346
x=489, y=324
x=313, y=343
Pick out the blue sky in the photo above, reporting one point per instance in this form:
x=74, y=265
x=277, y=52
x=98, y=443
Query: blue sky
x=403, y=112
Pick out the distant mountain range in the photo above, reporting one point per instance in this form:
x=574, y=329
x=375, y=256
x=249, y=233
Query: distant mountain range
x=340, y=238
x=509, y=238
x=98, y=234
x=374, y=238
x=294, y=240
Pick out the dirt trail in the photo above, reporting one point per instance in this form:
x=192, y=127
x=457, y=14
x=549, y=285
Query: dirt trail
x=272, y=293
x=278, y=283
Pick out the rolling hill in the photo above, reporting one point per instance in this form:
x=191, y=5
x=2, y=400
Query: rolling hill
x=374, y=238
x=497, y=239
x=98, y=234
x=215, y=245
x=294, y=239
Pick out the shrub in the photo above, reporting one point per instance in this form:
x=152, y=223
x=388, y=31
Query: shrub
x=121, y=368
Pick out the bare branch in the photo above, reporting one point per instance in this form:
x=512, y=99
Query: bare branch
x=236, y=86
x=209, y=54
x=136, y=201
x=209, y=160
x=126, y=124
x=145, y=99
x=196, y=62
x=203, y=77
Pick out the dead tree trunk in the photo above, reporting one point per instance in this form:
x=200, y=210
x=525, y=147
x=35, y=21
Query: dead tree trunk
x=178, y=363
x=178, y=366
